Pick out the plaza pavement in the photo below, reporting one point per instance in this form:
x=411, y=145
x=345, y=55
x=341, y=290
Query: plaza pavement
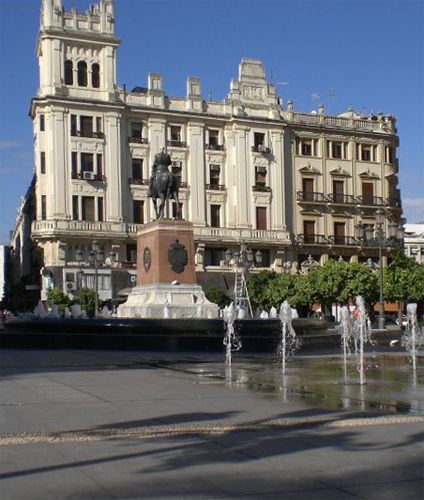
x=102, y=425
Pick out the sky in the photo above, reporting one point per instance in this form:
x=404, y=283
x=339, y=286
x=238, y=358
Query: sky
x=368, y=54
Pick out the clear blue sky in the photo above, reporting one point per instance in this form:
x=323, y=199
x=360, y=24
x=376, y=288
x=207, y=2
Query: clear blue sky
x=371, y=52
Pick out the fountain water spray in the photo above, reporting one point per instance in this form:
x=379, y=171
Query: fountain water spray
x=289, y=343
x=413, y=337
x=346, y=333
x=231, y=340
x=362, y=332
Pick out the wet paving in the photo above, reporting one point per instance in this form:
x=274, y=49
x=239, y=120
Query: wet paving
x=321, y=381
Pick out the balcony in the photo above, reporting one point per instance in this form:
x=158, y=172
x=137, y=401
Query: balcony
x=311, y=239
x=260, y=148
x=53, y=228
x=88, y=176
x=176, y=144
x=139, y=182
x=262, y=188
x=311, y=197
x=234, y=236
x=183, y=184
x=215, y=187
x=138, y=140
x=372, y=201
x=215, y=147
x=87, y=133
x=343, y=241
x=341, y=199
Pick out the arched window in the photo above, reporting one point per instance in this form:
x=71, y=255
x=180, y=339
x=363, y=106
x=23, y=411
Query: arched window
x=95, y=75
x=82, y=74
x=69, y=72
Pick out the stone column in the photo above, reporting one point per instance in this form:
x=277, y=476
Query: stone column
x=56, y=165
x=113, y=168
x=242, y=176
x=230, y=177
x=277, y=180
x=196, y=172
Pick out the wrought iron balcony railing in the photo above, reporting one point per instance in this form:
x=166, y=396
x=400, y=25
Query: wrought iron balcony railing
x=215, y=147
x=176, y=144
x=262, y=188
x=138, y=140
x=216, y=187
x=311, y=196
x=139, y=182
x=311, y=239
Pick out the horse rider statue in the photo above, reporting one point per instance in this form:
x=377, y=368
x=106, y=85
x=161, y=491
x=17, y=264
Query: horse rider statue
x=163, y=184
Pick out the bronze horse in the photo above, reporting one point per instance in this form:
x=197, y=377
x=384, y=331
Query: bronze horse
x=163, y=184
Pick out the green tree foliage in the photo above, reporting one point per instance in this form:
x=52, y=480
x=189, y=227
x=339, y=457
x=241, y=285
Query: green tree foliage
x=268, y=289
x=360, y=280
x=217, y=296
x=404, y=280
x=56, y=297
x=87, y=300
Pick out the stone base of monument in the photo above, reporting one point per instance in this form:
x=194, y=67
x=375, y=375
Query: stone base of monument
x=166, y=278
x=157, y=301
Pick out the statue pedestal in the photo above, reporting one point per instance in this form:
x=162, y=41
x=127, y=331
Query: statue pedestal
x=166, y=278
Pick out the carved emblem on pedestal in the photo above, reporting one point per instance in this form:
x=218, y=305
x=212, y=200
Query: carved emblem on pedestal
x=147, y=259
x=177, y=257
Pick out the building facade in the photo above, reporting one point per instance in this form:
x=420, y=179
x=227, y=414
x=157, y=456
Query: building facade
x=286, y=183
x=414, y=242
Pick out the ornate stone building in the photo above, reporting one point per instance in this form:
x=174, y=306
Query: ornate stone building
x=287, y=183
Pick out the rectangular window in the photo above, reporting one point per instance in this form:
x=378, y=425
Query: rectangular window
x=98, y=124
x=137, y=169
x=176, y=215
x=177, y=168
x=75, y=208
x=309, y=231
x=215, y=215
x=261, y=218
x=389, y=155
x=214, y=256
x=87, y=162
x=306, y=147
x=366, y=152
x=136, y=130
x=74, y=164
x=99, y=158
x=308, y=189
x=100, y=208
x=138, y=212
x=338, y=191
x=131, y=252
x=43, y=162
x=259, y=139
x=42, y=124
x=260, y=176
x=336, y=150
x=43, y=207
x=214, y=175
x=213, y=137
x=86, y=126
x=175, y=133
x=339, y=233
x=88, y=208
x=367, y=193
x=73, y=125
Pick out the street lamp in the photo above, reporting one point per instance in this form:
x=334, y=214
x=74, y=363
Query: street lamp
x=378, y=237
x=96, y=257
x=241, y=261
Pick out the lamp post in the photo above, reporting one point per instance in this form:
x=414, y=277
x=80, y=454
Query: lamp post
x=242, y=261
x=95, y=257
x=378, y=237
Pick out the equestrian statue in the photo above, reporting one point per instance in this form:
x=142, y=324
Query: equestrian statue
x=163, y=184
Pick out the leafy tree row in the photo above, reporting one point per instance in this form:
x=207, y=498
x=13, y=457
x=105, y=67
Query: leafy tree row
x=86, y=298
x=338, y=282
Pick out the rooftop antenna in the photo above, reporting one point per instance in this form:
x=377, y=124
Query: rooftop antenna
x=330, y=94
x=210, y=95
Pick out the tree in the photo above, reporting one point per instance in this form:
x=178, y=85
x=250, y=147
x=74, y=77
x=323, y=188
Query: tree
x=218, y=296
x=257, y=285
x=360, y=280
x=87, y=300
x=56, y=297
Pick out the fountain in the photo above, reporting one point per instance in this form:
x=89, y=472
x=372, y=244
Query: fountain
x=231, y=340
x=40, y=310
x=289, y=343
x=346, y=333
x=273, y=312
x=264, y=315
x=413, y=337
x=362, y=332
